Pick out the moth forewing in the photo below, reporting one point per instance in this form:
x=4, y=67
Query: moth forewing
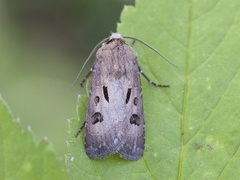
x=133, y=148
x=107, y=113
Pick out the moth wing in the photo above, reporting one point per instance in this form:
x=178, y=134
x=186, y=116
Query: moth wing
x=105, y=132
x=133, y=148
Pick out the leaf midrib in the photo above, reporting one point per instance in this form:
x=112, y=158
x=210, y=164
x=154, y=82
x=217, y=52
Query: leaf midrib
x=186, y=91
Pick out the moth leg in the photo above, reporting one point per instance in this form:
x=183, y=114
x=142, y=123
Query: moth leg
x=87, y=76
x=149, y=80
x=133, y=42
x=80, y=129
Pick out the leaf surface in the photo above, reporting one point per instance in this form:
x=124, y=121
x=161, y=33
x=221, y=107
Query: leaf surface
x=193, y=127
x=20, y=156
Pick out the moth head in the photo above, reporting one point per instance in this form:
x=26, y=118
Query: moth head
x=115, y=36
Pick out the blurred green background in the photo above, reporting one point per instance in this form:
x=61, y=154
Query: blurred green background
x=43, y=45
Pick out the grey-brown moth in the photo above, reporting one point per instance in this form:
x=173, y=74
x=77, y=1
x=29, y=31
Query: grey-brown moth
x=115, y=117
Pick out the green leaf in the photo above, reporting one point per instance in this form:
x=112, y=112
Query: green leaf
x=193, y=127
x=20, y=157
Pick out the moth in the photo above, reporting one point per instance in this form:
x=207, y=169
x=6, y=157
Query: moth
x=115, y=117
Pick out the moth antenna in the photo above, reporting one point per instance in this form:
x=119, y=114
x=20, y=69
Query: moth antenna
x=150, y=47
x=89, y=57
